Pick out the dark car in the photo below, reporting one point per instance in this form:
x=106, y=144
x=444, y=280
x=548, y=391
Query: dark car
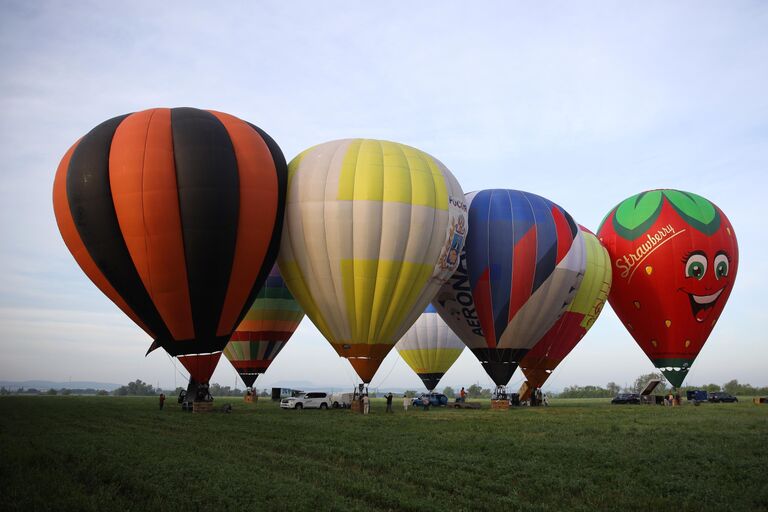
x=721, y=396
x=436, y=399
x=626, y=398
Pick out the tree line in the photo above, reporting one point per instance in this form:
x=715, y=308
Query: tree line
x=139, y=388
x=135, y=388
x=612, y=389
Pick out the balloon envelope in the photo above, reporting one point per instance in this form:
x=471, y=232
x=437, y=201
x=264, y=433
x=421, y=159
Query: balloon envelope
x=175, y=214
x=270, y=322
x=430, y=347
x=561, y=338
x=674, y=256
x=372, y=229
x=523, y=262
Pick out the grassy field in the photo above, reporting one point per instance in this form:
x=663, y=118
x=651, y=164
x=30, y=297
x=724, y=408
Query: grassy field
x=106, y=453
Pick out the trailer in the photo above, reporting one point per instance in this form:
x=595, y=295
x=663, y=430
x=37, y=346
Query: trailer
x=458, y=404
x=647, y=398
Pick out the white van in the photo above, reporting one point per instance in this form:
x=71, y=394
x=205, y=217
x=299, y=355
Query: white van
x=341, y=400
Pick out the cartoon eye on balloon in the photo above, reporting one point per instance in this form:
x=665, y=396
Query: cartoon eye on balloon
x=675, y=258
x=721, y=265
x=695, y=264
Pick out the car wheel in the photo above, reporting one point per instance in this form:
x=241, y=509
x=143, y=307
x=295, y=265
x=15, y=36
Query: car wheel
x=323, y=405
x=298, y=406
x=335, y=405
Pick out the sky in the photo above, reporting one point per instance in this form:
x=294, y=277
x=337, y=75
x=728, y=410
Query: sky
x=585, y=103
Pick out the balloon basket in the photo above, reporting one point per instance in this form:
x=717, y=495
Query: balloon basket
x=250, y=398
x=499, y=404
x=202, y=407
x=760, y=400
x=356, y=405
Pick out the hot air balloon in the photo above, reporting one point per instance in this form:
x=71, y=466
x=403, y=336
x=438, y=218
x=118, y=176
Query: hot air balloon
x=372, y=230
x=522, y=264
x=175, y=215
x=430, y=347
x=266, y=328
x=674, y=256
x=561, y=338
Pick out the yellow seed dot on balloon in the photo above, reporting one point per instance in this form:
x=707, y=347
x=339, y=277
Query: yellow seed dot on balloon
x=728, y=229
x=713, y=322
x=653, y=342
x=687, y=343
x=649, y=270
x=668, y=322
x=637, y=304
x=629, y=327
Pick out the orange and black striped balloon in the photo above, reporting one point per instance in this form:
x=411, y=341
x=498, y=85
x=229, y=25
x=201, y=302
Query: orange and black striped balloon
x=176, y=215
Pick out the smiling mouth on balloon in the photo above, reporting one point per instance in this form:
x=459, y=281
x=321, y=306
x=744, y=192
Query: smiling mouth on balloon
x=701, y=305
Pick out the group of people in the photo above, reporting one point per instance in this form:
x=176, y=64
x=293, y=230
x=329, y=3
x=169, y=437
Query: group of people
x=367, y=402
x=406, y=401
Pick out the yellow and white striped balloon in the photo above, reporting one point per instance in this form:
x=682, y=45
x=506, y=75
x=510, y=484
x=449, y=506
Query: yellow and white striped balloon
x=430, y=347
x=372, y=230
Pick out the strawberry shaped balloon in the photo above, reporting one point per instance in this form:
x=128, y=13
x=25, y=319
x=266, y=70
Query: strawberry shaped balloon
x=674, y=258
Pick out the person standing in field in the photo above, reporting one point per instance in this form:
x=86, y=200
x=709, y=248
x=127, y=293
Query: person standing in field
x=463, y=394
x=389, y=401
x=406, y=402
x=162, y=400
x=366, y=404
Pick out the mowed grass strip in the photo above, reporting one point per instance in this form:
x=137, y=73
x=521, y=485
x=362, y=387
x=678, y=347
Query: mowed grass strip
x=97, y=453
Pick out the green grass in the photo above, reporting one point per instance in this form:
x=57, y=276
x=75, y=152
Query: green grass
x=105, y=453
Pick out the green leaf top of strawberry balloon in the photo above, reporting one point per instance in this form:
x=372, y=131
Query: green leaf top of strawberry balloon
x=636, y=214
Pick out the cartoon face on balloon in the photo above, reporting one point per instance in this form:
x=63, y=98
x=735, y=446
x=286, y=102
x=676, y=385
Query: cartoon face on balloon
x=674, y=256
x=706, y=278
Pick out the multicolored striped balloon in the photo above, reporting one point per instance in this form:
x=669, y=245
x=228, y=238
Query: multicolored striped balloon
x=372, y=230
x=175, y=215
x=266, y=328
x=430, y=347
x=539, y=363
x=523, y=262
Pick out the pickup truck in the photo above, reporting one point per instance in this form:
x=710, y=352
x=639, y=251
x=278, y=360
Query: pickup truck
x=311, y=400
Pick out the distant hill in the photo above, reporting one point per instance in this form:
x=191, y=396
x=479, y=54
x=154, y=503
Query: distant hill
x=47, y=384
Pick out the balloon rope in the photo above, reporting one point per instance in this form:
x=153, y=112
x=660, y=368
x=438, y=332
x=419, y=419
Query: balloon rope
x=397, y=360
x=351, y=376
x=175, y=368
